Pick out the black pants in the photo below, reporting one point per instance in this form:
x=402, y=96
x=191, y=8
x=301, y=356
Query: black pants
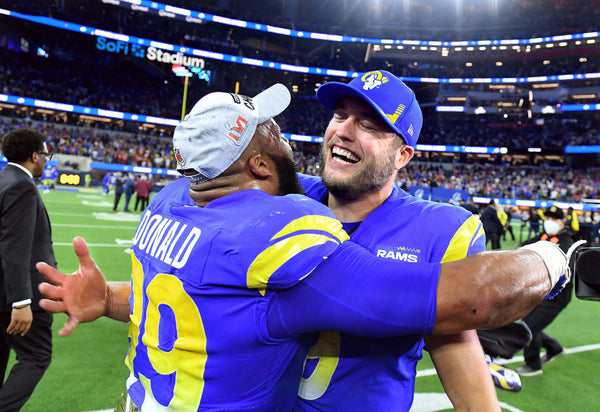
x=34, y=353
x=117, y=199
x=494, y=237
x=143, y=200
x=509, y=229
x=537, y=320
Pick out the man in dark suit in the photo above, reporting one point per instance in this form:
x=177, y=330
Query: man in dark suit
x=119, y=189
x=491, y=224
x=25, y=239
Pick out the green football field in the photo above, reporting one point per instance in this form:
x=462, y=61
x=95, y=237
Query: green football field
x=88, y=373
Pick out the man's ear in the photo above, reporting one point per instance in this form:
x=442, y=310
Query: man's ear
x=262, y=167
x=403, y=157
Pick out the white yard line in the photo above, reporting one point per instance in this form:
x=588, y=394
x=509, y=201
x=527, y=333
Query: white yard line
x=515, y=359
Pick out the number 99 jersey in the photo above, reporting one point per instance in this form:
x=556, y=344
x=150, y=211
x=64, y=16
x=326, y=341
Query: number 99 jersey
x=202, y=279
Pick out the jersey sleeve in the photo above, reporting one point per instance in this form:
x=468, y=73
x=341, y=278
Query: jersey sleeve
x=355, y=293
x=305, y=235
x=468, y=239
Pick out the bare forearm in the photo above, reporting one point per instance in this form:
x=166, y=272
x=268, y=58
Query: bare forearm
x=489, y=289
x=118, y=300
x=462, y=369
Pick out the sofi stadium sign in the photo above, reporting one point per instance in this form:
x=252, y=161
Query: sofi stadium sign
x=149, y=53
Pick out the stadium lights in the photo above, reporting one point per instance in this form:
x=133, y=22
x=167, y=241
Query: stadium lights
x=584, y=96
x=548, y=110
x=544, y=85
x=205, y=54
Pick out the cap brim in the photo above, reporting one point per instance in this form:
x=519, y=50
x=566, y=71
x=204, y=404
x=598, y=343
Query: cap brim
x=331, y=92
x=272, y=101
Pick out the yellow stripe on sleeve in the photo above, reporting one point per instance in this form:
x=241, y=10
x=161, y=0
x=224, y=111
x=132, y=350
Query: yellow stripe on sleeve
x=323, y=229
x=460, y=242
x=315, y=223
x=272, y=258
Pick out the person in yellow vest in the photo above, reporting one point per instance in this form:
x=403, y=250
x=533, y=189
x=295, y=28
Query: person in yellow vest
x=572, y=223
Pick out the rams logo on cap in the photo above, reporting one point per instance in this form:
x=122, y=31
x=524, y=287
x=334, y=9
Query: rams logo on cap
x=178, y=156
x=372, y=80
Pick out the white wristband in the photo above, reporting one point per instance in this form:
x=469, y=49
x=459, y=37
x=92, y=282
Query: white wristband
x=554, y=258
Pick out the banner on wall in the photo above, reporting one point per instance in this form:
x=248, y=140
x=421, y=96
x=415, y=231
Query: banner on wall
x=439, y=193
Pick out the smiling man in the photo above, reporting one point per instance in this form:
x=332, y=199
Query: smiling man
x=371, y=136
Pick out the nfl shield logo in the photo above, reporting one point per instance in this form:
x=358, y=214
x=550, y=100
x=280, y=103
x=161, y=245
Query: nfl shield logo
x=178, y=157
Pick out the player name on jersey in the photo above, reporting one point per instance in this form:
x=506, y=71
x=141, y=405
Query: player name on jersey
x=167, y=240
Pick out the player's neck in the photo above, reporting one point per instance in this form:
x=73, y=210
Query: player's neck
x=204, y=193
x=356, y=210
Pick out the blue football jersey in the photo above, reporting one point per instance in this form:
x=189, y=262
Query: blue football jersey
x=350, y=373
x=202, y=280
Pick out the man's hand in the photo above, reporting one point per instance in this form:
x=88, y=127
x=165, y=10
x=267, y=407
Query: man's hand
x=20, y=321
x=82, y=295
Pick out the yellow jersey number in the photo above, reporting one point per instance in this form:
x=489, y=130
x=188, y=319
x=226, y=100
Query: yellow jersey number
x=187, y=358
x=327, y=353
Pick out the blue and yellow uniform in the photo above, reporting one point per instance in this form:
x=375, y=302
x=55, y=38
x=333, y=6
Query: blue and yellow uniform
x=223, y=298
x=49, y=176
x=349, y=373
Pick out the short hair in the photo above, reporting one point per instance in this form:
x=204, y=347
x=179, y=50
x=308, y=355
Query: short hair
x=20, y=143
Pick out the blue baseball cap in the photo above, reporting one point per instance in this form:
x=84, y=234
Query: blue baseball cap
x=386, y=94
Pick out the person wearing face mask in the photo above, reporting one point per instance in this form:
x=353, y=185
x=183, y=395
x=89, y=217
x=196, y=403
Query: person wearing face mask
x=540, y=317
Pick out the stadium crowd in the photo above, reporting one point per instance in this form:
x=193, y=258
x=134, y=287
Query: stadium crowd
x=106, y=87
x=260, y=45
x=501, y=180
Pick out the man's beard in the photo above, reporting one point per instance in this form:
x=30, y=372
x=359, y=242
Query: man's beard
x=374, y=175
x=288, y=179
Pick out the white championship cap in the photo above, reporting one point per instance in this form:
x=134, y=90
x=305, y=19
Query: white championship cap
x=219, y=128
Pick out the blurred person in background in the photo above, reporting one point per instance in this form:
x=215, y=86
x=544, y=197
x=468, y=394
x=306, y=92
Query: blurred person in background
x=375, y=125
x=572, y=222
x=534, y=219
x=508, y=226
x=492, y=225
x=142, y=192
x=119, y=185
x=25, y=239
x=106, y=183
x=547, y=311
x=469, y=205
x=129, y=189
